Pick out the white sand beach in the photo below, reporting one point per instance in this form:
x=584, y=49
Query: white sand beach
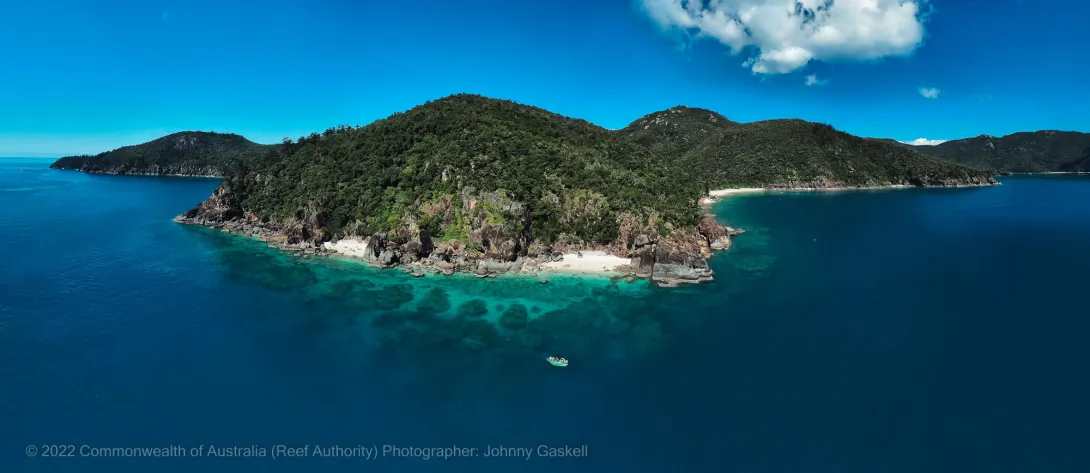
x=591, y=262
x=715, y=195
x=348, y=247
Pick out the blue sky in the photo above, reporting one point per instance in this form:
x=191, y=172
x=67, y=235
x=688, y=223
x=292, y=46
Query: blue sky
x=84, y=77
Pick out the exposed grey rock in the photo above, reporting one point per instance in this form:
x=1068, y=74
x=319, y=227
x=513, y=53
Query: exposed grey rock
x=389, y=257
x=681, y=273
x=497, y=267
x=645, y=264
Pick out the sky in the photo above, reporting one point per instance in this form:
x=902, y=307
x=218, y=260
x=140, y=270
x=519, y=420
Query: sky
x=90, y=76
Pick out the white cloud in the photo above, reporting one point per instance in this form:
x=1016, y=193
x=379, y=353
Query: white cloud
x=788, y=34
x=812, y=79
x=929, y=92
x=924, y=142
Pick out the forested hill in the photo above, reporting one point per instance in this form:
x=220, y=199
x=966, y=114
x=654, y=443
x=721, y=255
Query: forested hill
x=1039, y=151
x=188, y=153
x=491, y=173
x=567, y=175
x=721, y=153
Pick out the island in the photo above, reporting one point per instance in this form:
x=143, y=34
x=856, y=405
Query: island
x=1044, y=151
x=188, y=153
x=789, y=154
x=473, y=184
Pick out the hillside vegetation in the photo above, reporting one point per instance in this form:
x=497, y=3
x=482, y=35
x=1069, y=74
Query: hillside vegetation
x=451, y=165
x=720, y=153
x=188, y=153
x=1039, y=151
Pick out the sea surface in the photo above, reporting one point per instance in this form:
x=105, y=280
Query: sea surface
x=877, y=331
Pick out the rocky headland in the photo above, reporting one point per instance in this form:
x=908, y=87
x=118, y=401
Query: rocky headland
x=640, y=254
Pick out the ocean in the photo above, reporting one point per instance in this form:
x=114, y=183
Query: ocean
x=938, y=330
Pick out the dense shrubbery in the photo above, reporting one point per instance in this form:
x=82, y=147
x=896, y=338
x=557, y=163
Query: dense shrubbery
x=569, y=176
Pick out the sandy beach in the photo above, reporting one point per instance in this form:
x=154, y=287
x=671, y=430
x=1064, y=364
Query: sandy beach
x=591, y=262
x=348, y=247
x=715, y=195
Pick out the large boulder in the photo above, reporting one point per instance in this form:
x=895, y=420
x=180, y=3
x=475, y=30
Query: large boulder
x=418, y=247
x=678, y=258
x=644, y=263
x=497, y=242
x=498, y=267
x=714, y=234
x=376, y=244
x=389, y=257
x=692, y=271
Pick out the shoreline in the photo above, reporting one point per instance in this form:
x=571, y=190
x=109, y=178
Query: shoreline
x=138, y=174
x=676, y=258
x=591, y=264
x=540, y=275
x=716, y=195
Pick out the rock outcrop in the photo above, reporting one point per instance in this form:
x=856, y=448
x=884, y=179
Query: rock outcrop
x=221, y=208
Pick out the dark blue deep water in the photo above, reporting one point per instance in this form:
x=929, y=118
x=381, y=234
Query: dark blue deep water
x=898, y=331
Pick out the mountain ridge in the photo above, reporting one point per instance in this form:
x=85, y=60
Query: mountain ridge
x=787, y=153
x=1019, y=152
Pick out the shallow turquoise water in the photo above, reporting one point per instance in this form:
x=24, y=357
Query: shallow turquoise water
x=935, y=330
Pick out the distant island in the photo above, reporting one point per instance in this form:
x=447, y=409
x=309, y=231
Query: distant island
x=721, y=154
x=486, y=186
x=1029, y=152
x=1042, y=151
x=189, y=153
